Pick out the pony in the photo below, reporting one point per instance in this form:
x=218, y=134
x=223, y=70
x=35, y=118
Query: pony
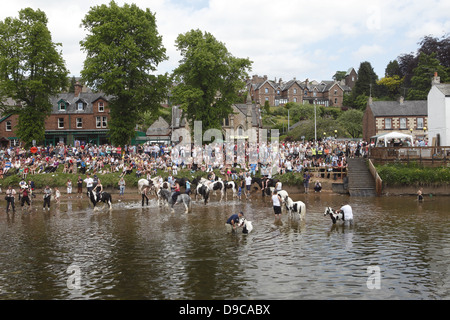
x=217, y=186
x=230, y=185
x=248, y=226
x=297, y=207
x=333, y=215
x=104, y=197
x=182, y=198
x=284, y=195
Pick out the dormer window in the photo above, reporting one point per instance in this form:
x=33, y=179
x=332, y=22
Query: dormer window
x=80, y=105
x=101, y=107
x=62, y=106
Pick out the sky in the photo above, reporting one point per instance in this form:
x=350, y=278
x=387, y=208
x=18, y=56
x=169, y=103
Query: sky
x=285, y=39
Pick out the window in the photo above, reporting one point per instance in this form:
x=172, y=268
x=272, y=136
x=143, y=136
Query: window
x=80, y=106
x=335, y=100
x=266, y=90
x=402, y=123
x=101, y=107
x=306, y=92
x=335, y=92
x=315, y=94
x=267, y=98
x=295, y=90
x=60, y=123
x=8, y=126
x=240, y=131
x=295, y=99
x=388, y=123
x=101, y=122
x=419, y=123
x=79, y=123
x=62, y=106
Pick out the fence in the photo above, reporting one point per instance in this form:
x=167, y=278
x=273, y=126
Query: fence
x=426, y=156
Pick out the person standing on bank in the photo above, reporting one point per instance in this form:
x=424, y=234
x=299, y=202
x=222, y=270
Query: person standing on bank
x=10, y=193
x=47, y=196
x=80, y=187
x=121, y=186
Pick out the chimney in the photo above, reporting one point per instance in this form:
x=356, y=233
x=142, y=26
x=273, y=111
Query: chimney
x=436, y=79
x=78, y=88
x=401, y=100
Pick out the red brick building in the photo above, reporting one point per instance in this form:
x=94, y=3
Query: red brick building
x=79, y=117
x=326, y=93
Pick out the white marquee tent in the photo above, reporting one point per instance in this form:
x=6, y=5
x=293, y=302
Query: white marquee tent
x=387, y=137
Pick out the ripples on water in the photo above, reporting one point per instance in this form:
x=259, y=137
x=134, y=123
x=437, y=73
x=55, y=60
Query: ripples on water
x=150, y=253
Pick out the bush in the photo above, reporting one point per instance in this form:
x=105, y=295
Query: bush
x=413, y=174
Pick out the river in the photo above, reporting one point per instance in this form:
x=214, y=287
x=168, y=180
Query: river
x=397, y=248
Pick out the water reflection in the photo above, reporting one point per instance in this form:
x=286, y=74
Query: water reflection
x=136, y=252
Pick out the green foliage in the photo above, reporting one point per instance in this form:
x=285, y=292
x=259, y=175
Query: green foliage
x=209, y=78
x=423, y=73
x=392, y=85
x=32, y=70
x=412, y=174
x=366, y=83
x=123, y=50
x=351, y=121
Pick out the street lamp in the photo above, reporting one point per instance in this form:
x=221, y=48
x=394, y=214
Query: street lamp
x=335, y=134
x=315, y=121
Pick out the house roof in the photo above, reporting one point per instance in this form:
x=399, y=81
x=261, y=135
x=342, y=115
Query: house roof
x=395, y=108
x=255, y=114
x=159, y=127
x=87, y=97
x=444, y=88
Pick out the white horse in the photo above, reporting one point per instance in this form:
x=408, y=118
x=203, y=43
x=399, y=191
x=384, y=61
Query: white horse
x=297, y=207
x=182, y=198
x=333, y=215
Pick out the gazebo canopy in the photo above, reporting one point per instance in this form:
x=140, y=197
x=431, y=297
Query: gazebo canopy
x=392, y=135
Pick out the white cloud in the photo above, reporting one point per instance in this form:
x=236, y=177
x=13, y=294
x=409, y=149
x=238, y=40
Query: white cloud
x=285, y=38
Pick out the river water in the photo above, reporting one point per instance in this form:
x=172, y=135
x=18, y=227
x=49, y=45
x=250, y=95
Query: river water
x=397, y=248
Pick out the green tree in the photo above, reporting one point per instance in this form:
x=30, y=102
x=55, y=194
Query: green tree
x=392, y=85
x=31, y=71
x=209, y=78
x=393, y=69
x=366, y=83
x=339, y=75
x=123, y=50
x=352, y=120
x=422, y=75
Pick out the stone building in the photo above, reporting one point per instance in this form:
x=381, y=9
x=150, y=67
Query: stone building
x=402, y=115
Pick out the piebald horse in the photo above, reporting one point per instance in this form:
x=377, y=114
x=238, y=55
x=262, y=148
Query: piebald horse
x=335, y=217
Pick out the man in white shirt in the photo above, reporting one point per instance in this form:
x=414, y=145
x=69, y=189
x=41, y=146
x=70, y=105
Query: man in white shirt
x=89, y=183
x=347, y=213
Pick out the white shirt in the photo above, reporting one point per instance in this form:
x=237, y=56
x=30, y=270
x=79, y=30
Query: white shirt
x=276, y=200
x=89, y=182
x=348, y=213
x=248, y=181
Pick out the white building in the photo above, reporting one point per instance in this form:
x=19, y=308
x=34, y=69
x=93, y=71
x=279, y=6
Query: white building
x=439, y=113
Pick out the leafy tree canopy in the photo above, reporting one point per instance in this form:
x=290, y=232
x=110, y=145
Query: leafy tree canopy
x=31, y=71
x=123, y=49
x=209, y=78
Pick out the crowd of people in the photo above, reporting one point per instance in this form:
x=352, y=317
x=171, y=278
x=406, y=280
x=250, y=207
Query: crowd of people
x=233, y=161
